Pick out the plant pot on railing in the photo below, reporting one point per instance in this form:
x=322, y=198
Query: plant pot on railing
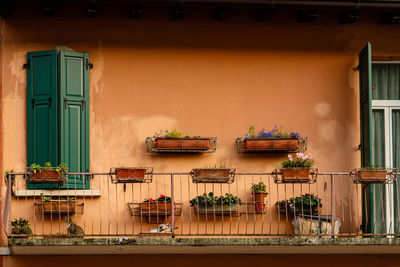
x=47, y=174
x=58, y=206
x=374, y=175
x=296, y=169
x=222, y=205
x=20, y=228
x=260, y=201
x=225, y=209
x=212, y=175
x=131, y=174
x=303, y=204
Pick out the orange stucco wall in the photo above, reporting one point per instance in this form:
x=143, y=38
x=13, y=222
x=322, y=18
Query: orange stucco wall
x=204, y=78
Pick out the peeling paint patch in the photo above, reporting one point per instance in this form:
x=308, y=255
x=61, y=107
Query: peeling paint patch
x=328, y=130
x=322, y=109
x=16, y=69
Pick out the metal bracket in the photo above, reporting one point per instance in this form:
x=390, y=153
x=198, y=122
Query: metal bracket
x=88, y=65
x=27, y=65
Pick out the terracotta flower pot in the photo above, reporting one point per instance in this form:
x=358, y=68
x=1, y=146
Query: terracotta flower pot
x=378, y=176
x=260, y=201
x=295, y=175
x=131, y=173
x=210, y=175
x=47, y=176
x=183, y=143
x=272, y=144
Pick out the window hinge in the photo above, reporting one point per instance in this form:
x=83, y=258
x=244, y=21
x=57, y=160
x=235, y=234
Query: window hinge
x=88, y=65
x=27, y=65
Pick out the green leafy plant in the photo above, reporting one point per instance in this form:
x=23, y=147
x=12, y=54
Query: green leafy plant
x=47, y=198
x=259, y=187
x=274, y=133
x=211, y=200
x=10, y=173
x=20, y=227
x=36, y=168
x=173, y=133
x=299, y=160
x=301, y=203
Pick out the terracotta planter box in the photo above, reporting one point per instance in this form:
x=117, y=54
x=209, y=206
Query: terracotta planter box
x=208, y=175
x=136, y=174
x=156, y=207
x=272, y=144
x=217, y=209
x=58, y=206
x=185, y=143
x=296, y=211
x=260, y=201
x=47, y=177
x=295, y=175
x=371, y=176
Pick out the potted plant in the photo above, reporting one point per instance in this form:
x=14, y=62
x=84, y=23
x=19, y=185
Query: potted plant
x=259, y=192
x=174, y=139
x=163, y=204
x=20, y=228
x=297, y=168
x=276, y=139
x=303, y=204
x=374, y=175
x=208, y=203
x=213, y=174
x=58, y=205
x=130, y=174
x=47, y=173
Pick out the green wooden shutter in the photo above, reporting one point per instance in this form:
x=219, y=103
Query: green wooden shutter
x=74, y=116
x=372, y=195
x=42, y=108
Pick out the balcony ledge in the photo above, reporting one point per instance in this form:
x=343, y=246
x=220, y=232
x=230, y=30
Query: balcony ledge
x=69, y=246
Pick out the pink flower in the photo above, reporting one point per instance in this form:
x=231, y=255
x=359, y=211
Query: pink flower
x=290, y=157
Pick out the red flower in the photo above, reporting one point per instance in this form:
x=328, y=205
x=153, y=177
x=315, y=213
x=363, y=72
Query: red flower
x=162, y=196
x=151, y=200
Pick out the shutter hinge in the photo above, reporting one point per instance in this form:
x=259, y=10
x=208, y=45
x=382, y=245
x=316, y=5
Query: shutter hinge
x=88, y=65
x=50, y=100
x=65, y=102
x=359, y=147
x=27, y=65
x=33, y=103
x=356, y=68
x=83, y=102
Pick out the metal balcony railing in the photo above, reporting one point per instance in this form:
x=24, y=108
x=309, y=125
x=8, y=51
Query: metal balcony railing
x=119, y=209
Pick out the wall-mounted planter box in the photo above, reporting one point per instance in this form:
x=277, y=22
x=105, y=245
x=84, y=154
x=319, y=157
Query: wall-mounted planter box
x=47, y=176
x=131, y=175
x=295, y=175
x=263, y=145
x=291, y=211
x=56, y=207
x=218, y=210
x=181, y=145
x=153, y=213
x=213, y=175
x=376, y=175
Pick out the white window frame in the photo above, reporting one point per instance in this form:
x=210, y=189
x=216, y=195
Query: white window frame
x=388, y=106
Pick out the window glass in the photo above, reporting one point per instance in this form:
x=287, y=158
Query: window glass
x=385, y=81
